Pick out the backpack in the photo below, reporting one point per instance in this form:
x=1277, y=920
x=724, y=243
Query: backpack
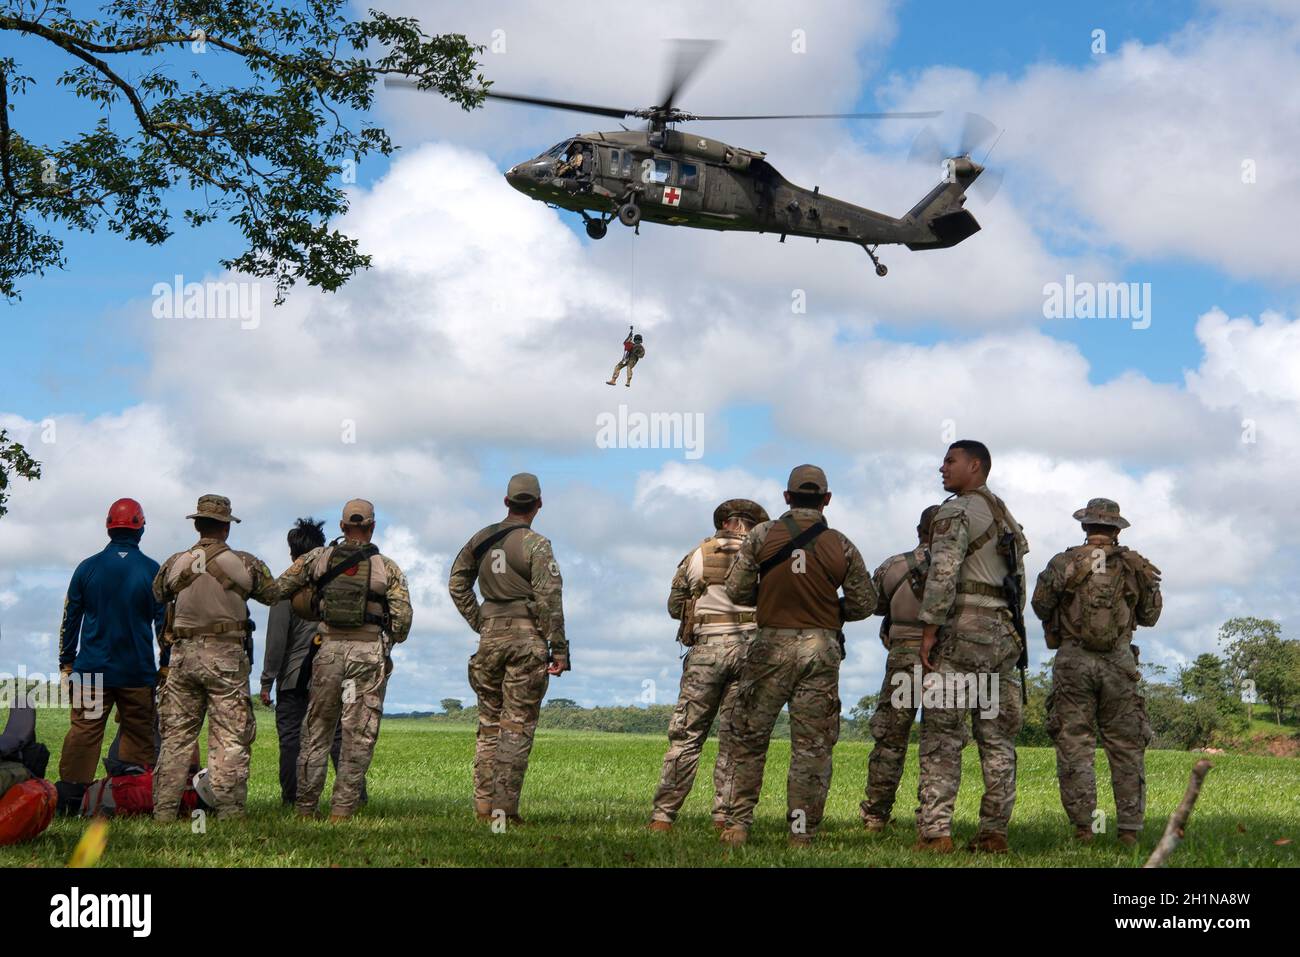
x=18, y=742
x=1094, y=600
x=26, y=810
x=127, y=795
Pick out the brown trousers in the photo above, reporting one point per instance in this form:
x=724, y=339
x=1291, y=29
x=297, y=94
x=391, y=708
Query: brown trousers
x=85, y=737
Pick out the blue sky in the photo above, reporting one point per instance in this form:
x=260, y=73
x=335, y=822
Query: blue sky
x=1074, y=404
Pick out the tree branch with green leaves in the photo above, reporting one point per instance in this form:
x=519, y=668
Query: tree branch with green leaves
x=266, y=152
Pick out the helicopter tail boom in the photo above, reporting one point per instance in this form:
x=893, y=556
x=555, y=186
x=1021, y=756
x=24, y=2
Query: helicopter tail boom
x=941, y=215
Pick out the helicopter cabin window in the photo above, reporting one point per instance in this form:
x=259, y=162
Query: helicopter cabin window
x=662, y=172
x=690, y=176
x=615, y=162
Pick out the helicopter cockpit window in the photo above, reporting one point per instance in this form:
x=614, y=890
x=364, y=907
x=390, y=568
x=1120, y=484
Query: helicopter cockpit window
x=558, y=149
x=690, y=176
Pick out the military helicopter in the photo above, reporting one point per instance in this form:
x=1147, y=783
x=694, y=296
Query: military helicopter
x=666, y=175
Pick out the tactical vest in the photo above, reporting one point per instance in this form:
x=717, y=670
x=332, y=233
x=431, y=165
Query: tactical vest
x=1097, y=600
x=807, y=598
x=716, y=563
x=209, y=593
x=1008, y=540
x=903, y=600
x=504, y=579
x=350, y=587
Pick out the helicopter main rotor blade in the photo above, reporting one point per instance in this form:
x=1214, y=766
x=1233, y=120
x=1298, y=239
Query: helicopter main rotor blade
x=825, y=116
x=615, y=112
x=687, y=57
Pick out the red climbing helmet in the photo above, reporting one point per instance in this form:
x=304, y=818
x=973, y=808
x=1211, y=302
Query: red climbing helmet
x=125, y=513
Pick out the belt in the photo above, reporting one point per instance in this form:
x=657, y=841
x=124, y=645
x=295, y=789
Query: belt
x=725, y=636
x=504, y=624
x=222, y=629
x=726, y=618
x=984, y=611
x=351, y=636
x=980, y=588
x=794, y=632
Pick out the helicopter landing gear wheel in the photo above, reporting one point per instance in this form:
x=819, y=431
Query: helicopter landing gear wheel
x=596, y=228
x=881, y=269
x=629, y=214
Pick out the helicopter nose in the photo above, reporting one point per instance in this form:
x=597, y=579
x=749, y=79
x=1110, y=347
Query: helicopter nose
x=515, y=177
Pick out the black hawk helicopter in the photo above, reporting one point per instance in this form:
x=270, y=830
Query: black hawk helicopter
x=666, y=175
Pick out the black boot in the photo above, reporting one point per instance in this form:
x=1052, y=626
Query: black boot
x=70, y=795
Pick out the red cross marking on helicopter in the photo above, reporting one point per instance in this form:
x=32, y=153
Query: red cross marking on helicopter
x=672, y=196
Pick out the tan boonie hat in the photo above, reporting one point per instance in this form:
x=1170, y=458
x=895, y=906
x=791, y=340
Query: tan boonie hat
x=806, y=475
x=524, y=488
x=358, y=512
x=739, y=508
x=215, y=507
x=1101, y=511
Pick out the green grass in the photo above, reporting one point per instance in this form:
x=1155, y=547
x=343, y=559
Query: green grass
x=587, y=799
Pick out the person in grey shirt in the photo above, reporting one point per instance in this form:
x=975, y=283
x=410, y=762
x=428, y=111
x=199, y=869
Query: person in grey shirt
x=287, y=667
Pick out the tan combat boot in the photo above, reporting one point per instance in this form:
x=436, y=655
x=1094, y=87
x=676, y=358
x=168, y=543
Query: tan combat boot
x=312, y=815
x=660, y=827
x=340, y=818
x=800, y=840
x=988, y=844
x=1128, y=838
x=936, y=845
x=1083, y=834
x=733, y=836
x=874, y=824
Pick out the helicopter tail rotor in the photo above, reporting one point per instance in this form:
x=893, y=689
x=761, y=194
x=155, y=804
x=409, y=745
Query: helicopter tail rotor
x=977, y=132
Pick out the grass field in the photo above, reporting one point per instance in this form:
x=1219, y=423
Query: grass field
x=587, y=800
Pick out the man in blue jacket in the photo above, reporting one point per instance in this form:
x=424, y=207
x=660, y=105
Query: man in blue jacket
x=110, y=620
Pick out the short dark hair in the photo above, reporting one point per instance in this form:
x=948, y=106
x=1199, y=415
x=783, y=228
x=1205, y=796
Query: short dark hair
x=806, y=499
x=209, y=526
x=521, y=508
x=1091, y=529
x=976, y=450
x=306, y=534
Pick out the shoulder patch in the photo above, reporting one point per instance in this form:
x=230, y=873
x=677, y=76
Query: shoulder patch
x=941, y=526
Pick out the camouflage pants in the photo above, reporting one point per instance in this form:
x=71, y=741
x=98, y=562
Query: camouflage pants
x=624, y=364
x=709, y=689
x=208, y=675
x=1096, y=694
x=972, y=647
x=347, y=688
x=508, y=673
x=799, y=667
x=891, y=727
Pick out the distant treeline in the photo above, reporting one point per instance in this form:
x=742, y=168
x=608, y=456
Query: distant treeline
x=1211, y=702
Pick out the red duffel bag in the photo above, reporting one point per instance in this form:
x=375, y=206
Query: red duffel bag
x=26, y=809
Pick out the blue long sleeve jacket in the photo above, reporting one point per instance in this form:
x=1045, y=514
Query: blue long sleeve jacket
x=110, y=617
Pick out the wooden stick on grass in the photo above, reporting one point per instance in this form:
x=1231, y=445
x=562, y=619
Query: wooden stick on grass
x=1176, y=829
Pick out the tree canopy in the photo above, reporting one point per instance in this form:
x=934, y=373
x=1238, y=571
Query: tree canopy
x=255, y=107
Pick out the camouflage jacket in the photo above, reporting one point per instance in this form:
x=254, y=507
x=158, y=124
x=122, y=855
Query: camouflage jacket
x=302, y=573
x=543, y=584
x=960, y=520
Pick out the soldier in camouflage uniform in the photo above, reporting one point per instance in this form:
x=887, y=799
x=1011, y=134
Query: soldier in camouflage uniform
x=208, y=587
x=633, y=352
x=967, y=636
x=363, y=604
x=899, y=582
x=521, y=643
x=717, y=631
x=1091, y=598
x=792, y=569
